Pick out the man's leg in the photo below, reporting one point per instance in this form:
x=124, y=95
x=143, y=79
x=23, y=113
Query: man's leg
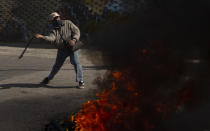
x=61, y=57
x=74, y=60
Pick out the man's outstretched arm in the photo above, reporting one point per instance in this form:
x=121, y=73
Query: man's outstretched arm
x=50, y=37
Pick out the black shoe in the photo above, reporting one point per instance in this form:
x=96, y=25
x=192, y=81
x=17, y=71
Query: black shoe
x=45, y=81
x=81, y=85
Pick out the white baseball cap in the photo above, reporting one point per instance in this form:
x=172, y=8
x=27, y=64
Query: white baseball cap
x=53, y=15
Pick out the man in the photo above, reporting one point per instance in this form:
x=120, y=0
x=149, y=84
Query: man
x=64, y=34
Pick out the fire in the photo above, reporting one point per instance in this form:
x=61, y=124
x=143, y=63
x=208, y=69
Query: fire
x=109, y=109
x=134, y=99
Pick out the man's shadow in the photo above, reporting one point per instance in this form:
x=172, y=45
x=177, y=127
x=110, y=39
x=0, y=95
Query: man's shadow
x=29, y=85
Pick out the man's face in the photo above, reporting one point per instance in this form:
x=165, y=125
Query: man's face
x=57, y=23
x=57, y=18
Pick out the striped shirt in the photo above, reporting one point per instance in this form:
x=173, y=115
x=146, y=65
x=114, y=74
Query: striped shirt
x=67, y=32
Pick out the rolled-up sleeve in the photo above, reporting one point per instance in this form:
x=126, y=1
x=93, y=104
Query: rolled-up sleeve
x=75, y=30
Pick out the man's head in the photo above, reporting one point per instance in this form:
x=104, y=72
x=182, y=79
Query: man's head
x=55, y=19
x=54, y=16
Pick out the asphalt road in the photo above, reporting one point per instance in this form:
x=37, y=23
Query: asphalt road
x=25, y=105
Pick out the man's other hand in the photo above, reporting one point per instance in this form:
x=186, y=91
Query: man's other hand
x=38, y=36
x=71, y=42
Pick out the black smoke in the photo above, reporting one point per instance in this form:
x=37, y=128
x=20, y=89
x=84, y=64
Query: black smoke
x=165, y=43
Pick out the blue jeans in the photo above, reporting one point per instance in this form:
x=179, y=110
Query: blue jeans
x=62, y=54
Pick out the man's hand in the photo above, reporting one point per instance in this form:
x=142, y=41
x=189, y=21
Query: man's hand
x=38, y=36
x=72, y=42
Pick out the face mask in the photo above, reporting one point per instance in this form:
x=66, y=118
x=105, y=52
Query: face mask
x=57, y=24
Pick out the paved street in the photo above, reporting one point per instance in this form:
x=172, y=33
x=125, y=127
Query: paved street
x=25, y=105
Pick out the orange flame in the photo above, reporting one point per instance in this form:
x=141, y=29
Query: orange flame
x=132, y=100
x=97, y=115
